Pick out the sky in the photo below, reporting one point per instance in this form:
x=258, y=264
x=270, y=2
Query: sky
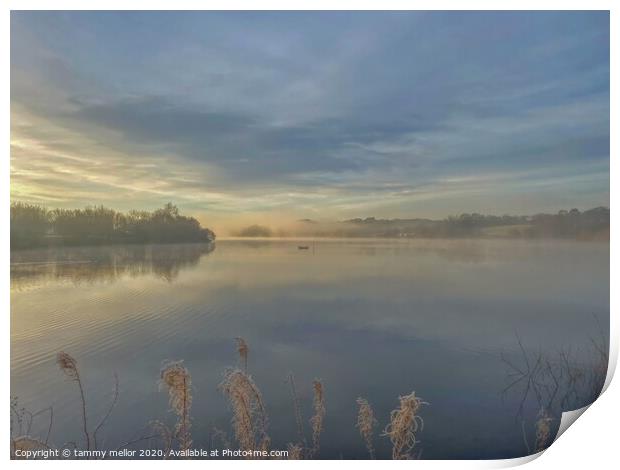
x=242, y=117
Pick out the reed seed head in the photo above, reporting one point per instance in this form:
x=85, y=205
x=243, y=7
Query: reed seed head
x=365, y=422
x=404, y=423
x=543, y=430
x=164, y=433
x=250, y=420
x=26, y=443
x=177, y=379
x=68, y=365
x=316, y=421
x=294, y=451
x=242, y=348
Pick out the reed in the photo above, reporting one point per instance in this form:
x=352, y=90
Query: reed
x=243, y=350
x=68, y=365
x=297, y=409
x=543, y=430
x=403, y=426
x=295, y=451
x=601, y=362
x=108, y=413
x=555, y=382
x=164, y=434
x=22, y=420
x=250, y=420
x=365, y=422
x=177, y=379
x=26, y=443
x=316, y=421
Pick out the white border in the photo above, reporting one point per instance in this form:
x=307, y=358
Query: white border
x=591, y=443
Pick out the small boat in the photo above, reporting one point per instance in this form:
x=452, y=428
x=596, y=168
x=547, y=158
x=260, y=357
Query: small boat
x=303, y=247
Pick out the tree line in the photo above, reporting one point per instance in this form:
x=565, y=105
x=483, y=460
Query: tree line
x=592, y=224
x=33, y=226
x=573, y=224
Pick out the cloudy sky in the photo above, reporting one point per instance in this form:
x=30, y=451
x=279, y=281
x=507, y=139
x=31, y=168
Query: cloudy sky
x=259, y=116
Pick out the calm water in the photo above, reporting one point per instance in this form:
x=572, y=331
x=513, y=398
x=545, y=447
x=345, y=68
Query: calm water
x=371, y=318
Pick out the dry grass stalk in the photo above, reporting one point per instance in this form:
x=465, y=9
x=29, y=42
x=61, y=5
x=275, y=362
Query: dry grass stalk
x=599, y=371
x=165, y=435
x=25, y=443
x=109, y=412
x=297, y=409
x=559, y=381
x=68, y=365
x=148, y=435
x=316, y=421
x=249, y=415
x=404, y=423
x=601, y=349
x=20, y=416
x=543, y=430
x=295, y=451
x=176, y=377
x=17, y=416
x=243, y=349
x=365, y=422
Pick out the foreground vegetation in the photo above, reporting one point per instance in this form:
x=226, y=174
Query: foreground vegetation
x=249, y=423
x=556, y=384
x=35, y=226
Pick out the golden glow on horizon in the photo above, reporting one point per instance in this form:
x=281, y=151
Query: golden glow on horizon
x=59, y=167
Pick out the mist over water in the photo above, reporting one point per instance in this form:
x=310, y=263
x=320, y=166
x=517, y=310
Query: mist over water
x=371, y=318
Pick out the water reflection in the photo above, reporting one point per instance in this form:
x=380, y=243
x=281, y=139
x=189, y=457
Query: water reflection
x=104, y=264
x=371, y=318
x=461, y=250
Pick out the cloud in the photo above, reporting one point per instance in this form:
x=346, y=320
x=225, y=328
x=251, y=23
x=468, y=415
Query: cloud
x=394, y=114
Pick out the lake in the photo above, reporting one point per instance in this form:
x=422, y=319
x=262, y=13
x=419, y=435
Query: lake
x=370, y=318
